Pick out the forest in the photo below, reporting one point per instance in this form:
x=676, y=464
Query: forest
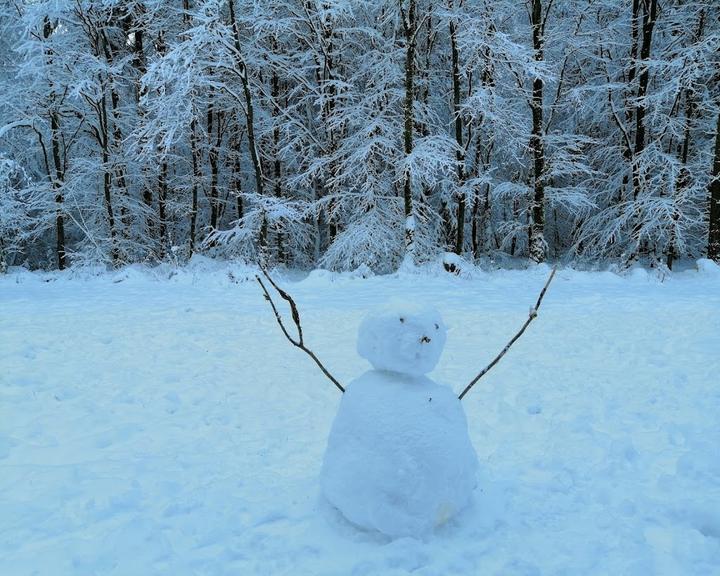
x=345, y=133
x=271, y=275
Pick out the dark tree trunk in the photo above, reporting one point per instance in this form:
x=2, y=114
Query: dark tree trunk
x=162, y=207
x=235, y=145
x=649, y=8
x=423, y=91
x=138, y=51
x=107, y=192
x=135, y=25
x=515, y=217
x=629, y=110
x=57, y=181
x=459, y=154
x=649, y=16
x=277, y=171
x=104, y=141
x=117, y=133
x=195, y=152
x=213, y=119
x=326, y=76
x=196, y=178
x=57, y=173
x=410, y=28
x=481, y=217
x=634, y=33
x=714, y=208
x=537, y=223
x=474, y=237
x=249, y=116
x=690, y=112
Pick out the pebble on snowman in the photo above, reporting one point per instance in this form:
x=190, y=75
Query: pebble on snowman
x=399, y=458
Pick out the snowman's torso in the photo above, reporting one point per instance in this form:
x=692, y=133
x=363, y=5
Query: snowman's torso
x=399, y=459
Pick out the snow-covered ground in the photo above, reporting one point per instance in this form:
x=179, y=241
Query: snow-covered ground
x=158, y=423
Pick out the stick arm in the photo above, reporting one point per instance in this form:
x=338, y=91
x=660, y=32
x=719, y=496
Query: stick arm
x=531, y=316
x=299, y=341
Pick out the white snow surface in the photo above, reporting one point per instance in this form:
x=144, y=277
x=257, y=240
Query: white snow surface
x=402, y=336
x=157, y=422
x=399, y=459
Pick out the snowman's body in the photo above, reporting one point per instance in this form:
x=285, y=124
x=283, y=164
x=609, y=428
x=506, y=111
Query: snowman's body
x=399, y=459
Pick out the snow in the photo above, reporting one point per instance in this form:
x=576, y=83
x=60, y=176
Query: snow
x=403, y=337
x=708, y=267
x=456, y=264
x=157, y=422
x=399, y=459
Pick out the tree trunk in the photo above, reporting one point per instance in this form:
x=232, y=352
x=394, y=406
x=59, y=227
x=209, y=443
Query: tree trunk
x=459, y=154
x=107, y=192
x=196, y=178
x=235, y=144
x=57, y=181
x=249, y=114
x=410, y=27
x=537, y=223
x=116, y=132
x=477, y=230
x=194, y=151
x=104, y=141
x=135, y=25
x=474, y=237
x=682, y=182
x=162, y=204
x=213, y=153
x=326, y=77
x=649, y=17
x=249, y=117
x=277, y=172
x=629, y=111
x=714, y=207
x=58, y=176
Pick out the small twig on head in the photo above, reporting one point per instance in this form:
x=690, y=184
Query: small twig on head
x=297, y=342
x=531, y=316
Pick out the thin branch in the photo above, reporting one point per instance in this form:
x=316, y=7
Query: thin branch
x=293, y=308
x=545, y=19
x=531, y=317
x=297, y=342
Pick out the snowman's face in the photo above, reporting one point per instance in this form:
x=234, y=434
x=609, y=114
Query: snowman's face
x=402, y=338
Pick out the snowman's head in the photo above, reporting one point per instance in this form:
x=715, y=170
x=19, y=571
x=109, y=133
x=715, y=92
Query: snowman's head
x=402, y=337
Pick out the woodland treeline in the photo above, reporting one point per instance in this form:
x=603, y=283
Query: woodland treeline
x=338, y=133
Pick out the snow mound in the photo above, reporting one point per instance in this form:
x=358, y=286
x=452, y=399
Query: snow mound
x=455, y=264
x=708, y=267
x=403, y=338
x=399, y=459
x=363, y=271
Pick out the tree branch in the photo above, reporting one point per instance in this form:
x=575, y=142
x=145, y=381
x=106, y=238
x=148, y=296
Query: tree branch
x=531, y=317
x=297, y=342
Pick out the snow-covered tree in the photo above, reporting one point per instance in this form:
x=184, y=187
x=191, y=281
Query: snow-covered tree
x=343, y=133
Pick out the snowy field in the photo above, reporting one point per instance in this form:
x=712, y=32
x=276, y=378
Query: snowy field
x=154, y=422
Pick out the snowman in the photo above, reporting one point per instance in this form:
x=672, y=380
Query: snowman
x=399, y=459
